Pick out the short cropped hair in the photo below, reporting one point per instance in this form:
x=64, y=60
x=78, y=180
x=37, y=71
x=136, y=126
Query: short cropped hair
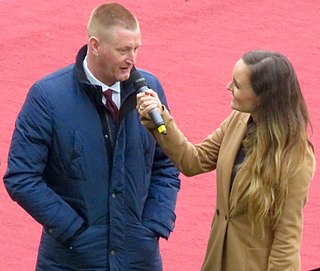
x=108, y=15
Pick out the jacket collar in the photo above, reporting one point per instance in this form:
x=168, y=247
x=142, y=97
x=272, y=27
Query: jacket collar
x=94, y=91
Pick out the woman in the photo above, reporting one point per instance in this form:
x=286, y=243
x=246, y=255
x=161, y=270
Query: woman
x=264, y=164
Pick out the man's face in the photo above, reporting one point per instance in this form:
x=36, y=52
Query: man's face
x=117, y=55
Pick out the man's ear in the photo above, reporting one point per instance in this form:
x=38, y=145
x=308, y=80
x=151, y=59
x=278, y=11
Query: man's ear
x=94, y=45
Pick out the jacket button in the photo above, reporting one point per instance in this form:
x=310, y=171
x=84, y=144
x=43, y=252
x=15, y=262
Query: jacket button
x=113, y=252
x=106, y=136
x=113, y=195
x=226, y=217
x=218, y=212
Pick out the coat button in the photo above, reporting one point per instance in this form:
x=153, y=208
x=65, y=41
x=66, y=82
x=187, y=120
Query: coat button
x=113, y=195
x=113, y=252
x=218, y=212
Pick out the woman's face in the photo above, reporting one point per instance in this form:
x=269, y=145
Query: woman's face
x=244, y=99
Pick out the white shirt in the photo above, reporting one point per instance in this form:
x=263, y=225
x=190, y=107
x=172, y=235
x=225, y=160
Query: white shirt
x=93, y=80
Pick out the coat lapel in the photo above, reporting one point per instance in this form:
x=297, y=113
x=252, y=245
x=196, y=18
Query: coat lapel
x=238, y=188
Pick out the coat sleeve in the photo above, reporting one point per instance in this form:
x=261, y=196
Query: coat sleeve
x=158, y=213
x=30, y=145
x=285, y=250
x=190, y=159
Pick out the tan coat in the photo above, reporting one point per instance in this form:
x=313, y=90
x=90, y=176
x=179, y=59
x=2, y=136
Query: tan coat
x=231, y=245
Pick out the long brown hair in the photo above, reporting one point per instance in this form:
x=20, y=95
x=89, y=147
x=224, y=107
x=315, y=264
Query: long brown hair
x=277, y=143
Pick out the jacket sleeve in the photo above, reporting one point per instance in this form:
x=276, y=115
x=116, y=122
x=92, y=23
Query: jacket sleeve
x=30, y=145
x=285, y=250
x=191, y=159
x=158, y=214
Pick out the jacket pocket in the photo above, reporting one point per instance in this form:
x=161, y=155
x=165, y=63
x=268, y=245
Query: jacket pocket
x=88, y=251
x=77, y=159
x=257, y=259
x=142, y=248
x=139, y=234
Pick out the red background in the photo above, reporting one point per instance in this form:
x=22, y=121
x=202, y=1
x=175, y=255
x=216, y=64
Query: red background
x=192, y=47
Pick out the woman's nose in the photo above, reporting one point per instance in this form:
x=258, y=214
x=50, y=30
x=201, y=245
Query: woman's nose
x=229, y=86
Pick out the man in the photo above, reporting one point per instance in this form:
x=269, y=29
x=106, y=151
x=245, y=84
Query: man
x=97, y=182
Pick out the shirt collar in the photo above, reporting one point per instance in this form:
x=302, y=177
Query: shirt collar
x=93, y=80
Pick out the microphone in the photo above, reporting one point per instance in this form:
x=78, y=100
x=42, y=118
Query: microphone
x=140, y=85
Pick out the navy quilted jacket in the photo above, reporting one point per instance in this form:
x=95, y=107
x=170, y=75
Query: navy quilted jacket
x=103, y=195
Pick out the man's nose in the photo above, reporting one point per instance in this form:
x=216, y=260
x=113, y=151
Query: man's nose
x=131, y=58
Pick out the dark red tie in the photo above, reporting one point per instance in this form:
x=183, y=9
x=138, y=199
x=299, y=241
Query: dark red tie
x=110, y=105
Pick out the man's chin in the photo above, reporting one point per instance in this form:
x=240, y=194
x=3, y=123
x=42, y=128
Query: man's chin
x=124, y=76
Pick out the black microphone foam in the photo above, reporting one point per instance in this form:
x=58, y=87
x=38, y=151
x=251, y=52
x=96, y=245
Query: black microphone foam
x=140, y=85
